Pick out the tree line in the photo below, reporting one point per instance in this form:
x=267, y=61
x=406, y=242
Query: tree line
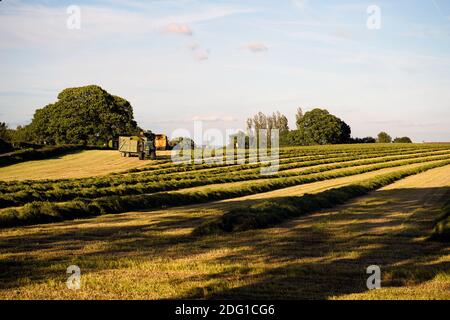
x=91, y=116
x=315, y=127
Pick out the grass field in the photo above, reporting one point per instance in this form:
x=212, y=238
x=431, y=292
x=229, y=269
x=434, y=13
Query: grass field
x=147, y=248
x=76, y=165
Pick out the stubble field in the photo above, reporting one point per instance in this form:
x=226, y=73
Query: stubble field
x=162, y=230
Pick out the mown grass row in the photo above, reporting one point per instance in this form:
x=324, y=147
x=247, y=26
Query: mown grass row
x=441, y=230
x=64, y=190
x=42, y=212
x=120, y=179
x=103, y=182
x=289, y=153
x=315, y=161
x=59, y=195
x=189, y=169
x=378, y=158
x=269, y=213
x=23, y=197
x=286, y=155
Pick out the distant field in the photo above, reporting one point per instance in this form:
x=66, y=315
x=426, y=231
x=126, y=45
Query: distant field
x=146, y=250
x=77, y=165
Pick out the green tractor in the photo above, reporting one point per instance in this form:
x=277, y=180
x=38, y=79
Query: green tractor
x=142, y=146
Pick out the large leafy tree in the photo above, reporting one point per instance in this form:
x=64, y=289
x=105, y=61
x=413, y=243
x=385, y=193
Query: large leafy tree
x=84, y=115
x=318, y=126
x=383, y=137
x=402, y=140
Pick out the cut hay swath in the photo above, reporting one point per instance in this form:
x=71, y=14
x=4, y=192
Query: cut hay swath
x=166, y=184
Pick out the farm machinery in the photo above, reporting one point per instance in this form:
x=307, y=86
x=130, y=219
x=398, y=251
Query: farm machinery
x=142, y=146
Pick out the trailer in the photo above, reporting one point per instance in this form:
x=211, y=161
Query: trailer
x=142, y=146
x=161, y=142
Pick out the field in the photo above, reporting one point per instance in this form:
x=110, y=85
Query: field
x=158, y=230
x=77, y=165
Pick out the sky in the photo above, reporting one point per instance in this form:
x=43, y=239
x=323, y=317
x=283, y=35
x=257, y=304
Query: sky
x=383, y=68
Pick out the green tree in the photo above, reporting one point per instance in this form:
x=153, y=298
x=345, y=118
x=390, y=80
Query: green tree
x=298, y=117
x=84, y=115
x=14, y=136
x=402, y=140
x=383, y=137
x=295, y=138
x=5, y=138
x=276, y=120
x=4, y=131
x=21, y=135
x=363, y=140
x=318, y=126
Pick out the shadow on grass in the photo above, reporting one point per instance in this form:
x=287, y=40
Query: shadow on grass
x=386, y=228
x=313, y=257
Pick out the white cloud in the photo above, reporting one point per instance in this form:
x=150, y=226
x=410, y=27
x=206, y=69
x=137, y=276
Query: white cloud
x=202, y=55
x=25, y=24
x=192, y=46
x=256, y=47
x=178, y=29
x=198, y=53
x=209, y=13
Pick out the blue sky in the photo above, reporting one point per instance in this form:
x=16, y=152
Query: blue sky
x=222, y=61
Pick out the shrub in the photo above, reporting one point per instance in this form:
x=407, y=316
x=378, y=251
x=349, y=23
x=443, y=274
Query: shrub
x=383, y=137
x=5, y=146
x=402, y=140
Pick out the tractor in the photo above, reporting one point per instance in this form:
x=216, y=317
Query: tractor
x=142, y=146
